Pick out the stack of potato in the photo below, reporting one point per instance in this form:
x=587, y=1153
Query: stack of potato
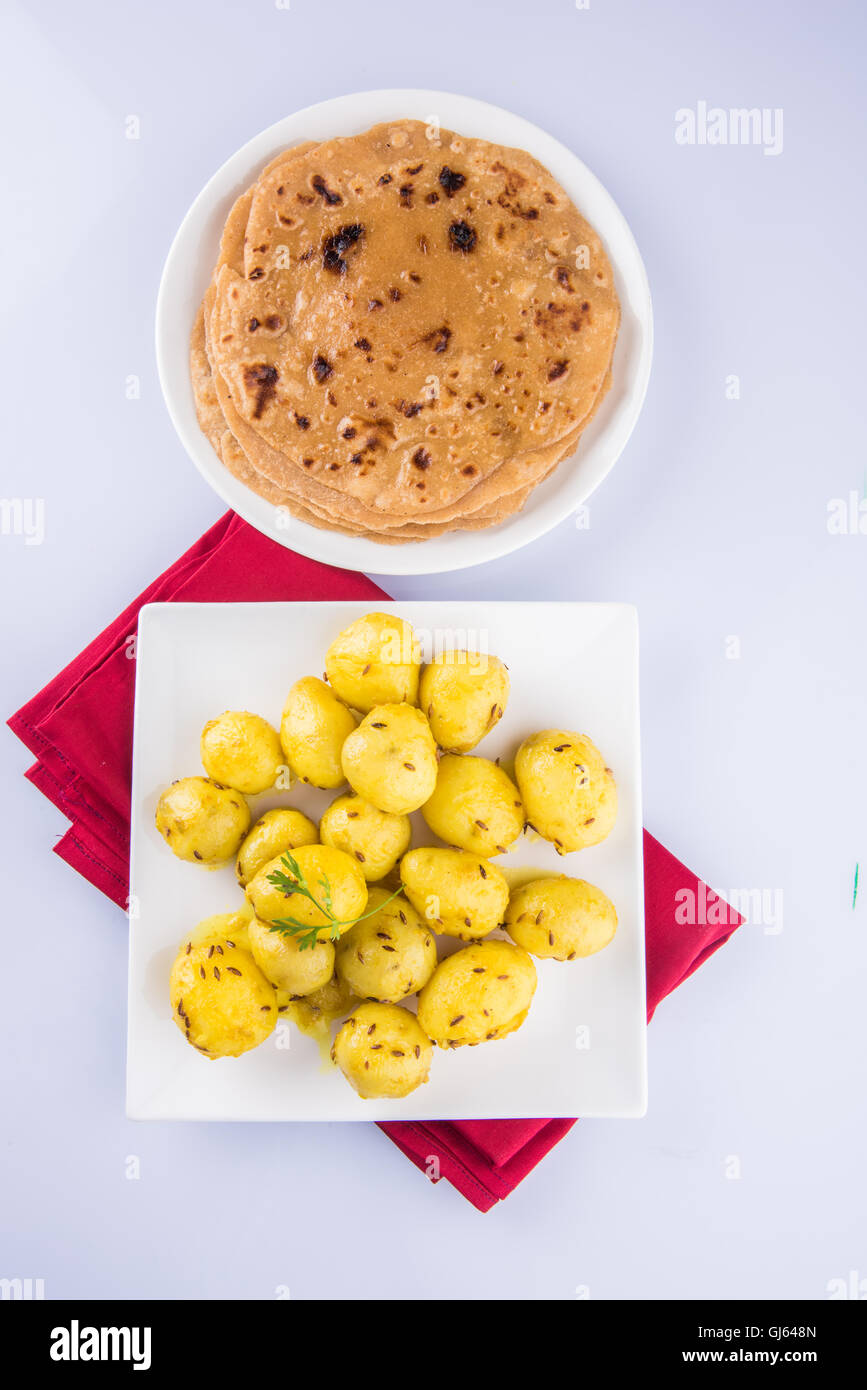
x=348, y=923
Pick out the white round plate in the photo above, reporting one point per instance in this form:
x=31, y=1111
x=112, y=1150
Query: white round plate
x=191, y=260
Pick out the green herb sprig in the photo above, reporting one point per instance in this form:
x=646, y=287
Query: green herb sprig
x=294, y=881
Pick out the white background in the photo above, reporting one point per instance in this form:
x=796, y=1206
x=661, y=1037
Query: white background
x=714, y=523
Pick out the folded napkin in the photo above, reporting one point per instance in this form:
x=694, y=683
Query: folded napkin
x=80, y=726
x=80, y=730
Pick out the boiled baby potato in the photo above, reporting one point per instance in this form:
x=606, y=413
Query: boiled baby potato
x=478, y=994
x=375, y=661
x=202, y=820
x=241, y=750
x=475, y=805
x=569, y=794
x=561, y=918
x=391, y=759
x=313, y=730
x=458, y=893
x=463, y=695
x=375, y=838
x=382, y=1051
x=273, y=833
x=314, y=1012
x=221, y=1001
x=389, y=955
x=345, y=884
x=225, y=926
x=286, y=963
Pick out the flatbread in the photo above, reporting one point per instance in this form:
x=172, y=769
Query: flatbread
x=359, y=295
x=514, y=480
x=213, y=425
x=268, y=285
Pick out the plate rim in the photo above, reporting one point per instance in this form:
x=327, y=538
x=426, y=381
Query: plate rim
x=454, y=550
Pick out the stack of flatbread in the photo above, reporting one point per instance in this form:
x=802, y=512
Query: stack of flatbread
x=405, y=332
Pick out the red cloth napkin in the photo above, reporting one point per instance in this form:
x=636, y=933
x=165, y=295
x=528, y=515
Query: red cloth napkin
x=80, y=730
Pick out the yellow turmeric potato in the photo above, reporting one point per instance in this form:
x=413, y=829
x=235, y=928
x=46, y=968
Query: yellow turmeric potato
x=275, y=832
x=382, y=1051
x=389, y=955
x=220, y=999
x=479, y=994
x=313, y=1013
x=225, y=926
x=391, y=759
x=375, y=661
x=457, y=893
x=463, y=694
x=561, y=918
x=344, y=884
x=313, y=730
x=569, y=794
x=373, y=837
x=286, y=963
x=241, y=750
x=475, y=805
x=201, y=820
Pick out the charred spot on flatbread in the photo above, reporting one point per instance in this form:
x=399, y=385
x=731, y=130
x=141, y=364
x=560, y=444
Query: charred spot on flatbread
x=335, y=247
x=261, y=380
x=451, y=181
x=462, y=237
x=331, y=199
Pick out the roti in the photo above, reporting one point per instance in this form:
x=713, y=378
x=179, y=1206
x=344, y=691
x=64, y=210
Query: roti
x=514, y=480
x=403, y=336
x=400, y=349
x=226, y=446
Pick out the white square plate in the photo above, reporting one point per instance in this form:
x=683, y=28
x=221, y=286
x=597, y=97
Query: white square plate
x=582, y=1048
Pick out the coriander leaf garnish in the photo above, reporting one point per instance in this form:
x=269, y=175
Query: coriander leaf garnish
x=294, y=881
